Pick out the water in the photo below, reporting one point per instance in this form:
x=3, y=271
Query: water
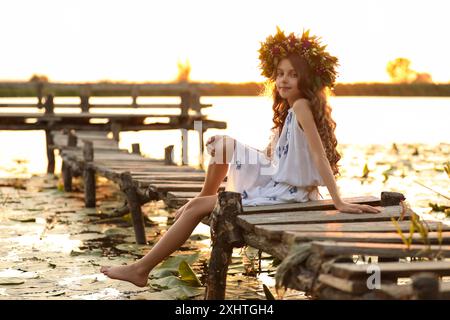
x=360, y=121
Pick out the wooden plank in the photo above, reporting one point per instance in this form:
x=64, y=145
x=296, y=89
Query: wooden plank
x=151, y=176
x=275, y=231
x=378, y=249
x=153, y=169
x=391, y=269
x=89, y=115
x=376, y=237
x=310, y=205
x=165, y=187
x=249, y=221
x=174, y=194
x=353, y=287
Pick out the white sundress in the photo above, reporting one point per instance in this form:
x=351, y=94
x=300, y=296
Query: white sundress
x=289, y=176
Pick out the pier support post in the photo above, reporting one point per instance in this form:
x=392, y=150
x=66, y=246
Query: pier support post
x=136, y=148
x=115, y=129
x=225, y=235
x=89, y=175
x=66, y=170
x=184, y=147
x=49, y=110
x=134, y=205
x=425, y=286
x=168, y=155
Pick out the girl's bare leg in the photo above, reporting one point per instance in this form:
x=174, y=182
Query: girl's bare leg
x=216, y=172
x=137, y=273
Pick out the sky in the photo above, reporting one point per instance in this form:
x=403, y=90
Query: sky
x=138, y=41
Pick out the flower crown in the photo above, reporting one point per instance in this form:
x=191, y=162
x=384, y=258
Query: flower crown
x=279, y=46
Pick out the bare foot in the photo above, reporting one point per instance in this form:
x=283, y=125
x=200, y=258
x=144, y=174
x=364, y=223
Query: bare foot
x=127, y=273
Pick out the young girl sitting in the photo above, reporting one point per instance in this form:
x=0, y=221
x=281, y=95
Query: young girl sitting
x=300, y=157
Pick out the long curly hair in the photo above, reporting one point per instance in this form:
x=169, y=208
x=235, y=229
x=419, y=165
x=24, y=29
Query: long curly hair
x=318, y=102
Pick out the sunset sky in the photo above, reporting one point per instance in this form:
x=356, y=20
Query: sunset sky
x=90, y=40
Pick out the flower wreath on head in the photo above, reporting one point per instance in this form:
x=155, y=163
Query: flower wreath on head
x=279, y=46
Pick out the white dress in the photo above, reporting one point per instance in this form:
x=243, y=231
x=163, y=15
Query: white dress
x=290, y=175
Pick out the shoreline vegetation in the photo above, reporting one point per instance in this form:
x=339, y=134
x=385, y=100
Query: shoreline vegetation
x=10, y=89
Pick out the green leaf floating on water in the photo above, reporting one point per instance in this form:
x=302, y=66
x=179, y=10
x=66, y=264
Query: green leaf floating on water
x=188, y=275
x=170, y=266
x=268, y=293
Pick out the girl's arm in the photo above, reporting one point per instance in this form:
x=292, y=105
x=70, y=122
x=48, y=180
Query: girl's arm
x=306, y=119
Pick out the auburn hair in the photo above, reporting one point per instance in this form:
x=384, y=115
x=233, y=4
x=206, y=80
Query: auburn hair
x=318, y=103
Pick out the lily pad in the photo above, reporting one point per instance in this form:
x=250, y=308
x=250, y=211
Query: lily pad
x=11, y=281
x=188, y=275
x=137, y=249
x=23, y=219
x=87, y=236
x=179, y=293
x=170, y=266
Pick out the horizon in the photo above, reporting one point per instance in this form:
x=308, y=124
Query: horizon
x=91, y=46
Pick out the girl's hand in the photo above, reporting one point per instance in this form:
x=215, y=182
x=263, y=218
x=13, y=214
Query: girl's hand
x=209, y=148
x=345, y=207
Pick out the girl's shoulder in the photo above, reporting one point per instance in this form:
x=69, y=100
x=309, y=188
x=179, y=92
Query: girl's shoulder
x=300, y=105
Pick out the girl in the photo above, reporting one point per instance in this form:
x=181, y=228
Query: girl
x=301, y=154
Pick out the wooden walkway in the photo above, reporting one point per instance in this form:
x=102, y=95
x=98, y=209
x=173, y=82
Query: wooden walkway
x=46, y=114
x=318, y=246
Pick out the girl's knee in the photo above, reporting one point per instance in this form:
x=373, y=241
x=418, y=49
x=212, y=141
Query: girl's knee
x=222, y=149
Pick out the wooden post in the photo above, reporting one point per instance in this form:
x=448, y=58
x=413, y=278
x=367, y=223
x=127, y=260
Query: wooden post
x=134, y=205
x=66, y=170
x=184, y=147
x=198, y=126
x=185, y=103
x=89, y=175
x=391, y=198
x=168, y=155
x=134, y=96
x=115, y=128
x=136, y=148
x=225, y=234
x=40, y=93
x=49, y=110
x=84, y=103
x=425, y=286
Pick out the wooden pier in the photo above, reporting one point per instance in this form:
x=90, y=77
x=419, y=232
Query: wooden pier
x=327, y=254
x=316, y=244
x=44, y=115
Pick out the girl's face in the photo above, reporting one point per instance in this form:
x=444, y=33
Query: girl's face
x=287, y=81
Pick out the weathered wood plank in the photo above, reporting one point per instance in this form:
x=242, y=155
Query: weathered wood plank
x=375, y=237
x=391, y=269
x=276, y=230
x=353, y=287
x=378, y=249
x=165, y=187
x=310, y=205
x=249, y=221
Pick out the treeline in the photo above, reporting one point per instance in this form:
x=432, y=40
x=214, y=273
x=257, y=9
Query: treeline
x=341, y=89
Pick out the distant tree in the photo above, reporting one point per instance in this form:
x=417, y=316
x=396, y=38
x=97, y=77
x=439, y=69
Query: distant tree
x=184, y=71
x=400, y=72
x=423, y=77
x=38, y=78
